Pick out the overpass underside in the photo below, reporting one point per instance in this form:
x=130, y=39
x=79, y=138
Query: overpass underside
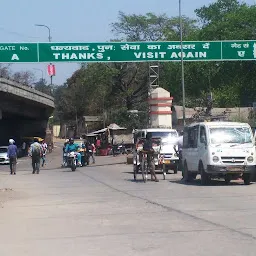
x=16, y=126
x=23, y=113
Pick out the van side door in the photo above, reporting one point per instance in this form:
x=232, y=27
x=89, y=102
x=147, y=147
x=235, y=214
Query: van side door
x=194, y=148
x=190, y=150
x=203, y=146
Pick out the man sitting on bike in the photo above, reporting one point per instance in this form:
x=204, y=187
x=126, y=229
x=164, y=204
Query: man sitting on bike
x=73, y=147
x=148, y=149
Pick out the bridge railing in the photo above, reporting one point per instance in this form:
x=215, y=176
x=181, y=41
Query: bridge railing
x=17, y=89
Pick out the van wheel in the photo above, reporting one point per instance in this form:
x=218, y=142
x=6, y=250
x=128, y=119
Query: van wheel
x=205, y=179
x=187, y=175
x=247, y=178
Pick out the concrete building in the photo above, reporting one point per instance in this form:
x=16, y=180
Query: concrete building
x=160, y=104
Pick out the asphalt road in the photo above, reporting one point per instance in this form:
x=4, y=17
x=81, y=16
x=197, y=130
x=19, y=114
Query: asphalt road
x=100, y=210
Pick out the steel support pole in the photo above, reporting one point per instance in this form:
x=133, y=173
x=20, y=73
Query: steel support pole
x=182, y=67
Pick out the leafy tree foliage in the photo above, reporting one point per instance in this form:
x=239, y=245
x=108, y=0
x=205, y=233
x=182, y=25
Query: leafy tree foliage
x=43, y=87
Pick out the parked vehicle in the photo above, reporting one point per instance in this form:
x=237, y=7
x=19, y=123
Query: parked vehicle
x=3, y=155
x=218, y=150
x=169, y=159
x=157, y=134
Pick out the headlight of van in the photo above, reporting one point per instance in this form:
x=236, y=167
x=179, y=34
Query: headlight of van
x=215, y=159
x=250, y=159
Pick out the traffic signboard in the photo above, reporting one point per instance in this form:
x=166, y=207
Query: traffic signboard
x=51, y=70
x=127, y=51
x=16, y=52
x=239, y=50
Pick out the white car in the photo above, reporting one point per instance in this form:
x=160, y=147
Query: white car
x=3, y=155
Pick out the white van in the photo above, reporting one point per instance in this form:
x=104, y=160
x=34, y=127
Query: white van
x=155, y=133
x=218, y=149
x=166, y=150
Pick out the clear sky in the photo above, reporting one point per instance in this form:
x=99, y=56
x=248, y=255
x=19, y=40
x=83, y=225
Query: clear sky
x=75, y=20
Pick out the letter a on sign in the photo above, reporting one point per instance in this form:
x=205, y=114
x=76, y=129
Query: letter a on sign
x=51, y=70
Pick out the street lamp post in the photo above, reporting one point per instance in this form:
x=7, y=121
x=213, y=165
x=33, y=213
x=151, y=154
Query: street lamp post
x=49, y=31
x=49, y=38
x=182, y=66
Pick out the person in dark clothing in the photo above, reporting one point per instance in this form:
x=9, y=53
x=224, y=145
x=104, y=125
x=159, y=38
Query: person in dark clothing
x=36, y=153
x=64, y=161
x=12, y=155
x=148, y=148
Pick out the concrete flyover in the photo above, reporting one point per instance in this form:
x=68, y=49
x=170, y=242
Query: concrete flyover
x=24, y=111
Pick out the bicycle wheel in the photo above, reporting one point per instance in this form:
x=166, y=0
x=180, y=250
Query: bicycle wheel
x=146, y=171
x=164, y=171
x=135, y=171
x=143, y=170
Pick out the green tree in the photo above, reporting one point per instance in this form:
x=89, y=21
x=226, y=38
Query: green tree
x=24, y=77
x=43, y=87
x=217, y=11
x=5, y=71
x=150, y=27
x=231, y=20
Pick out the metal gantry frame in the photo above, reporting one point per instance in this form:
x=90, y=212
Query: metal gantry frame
x=153, y=82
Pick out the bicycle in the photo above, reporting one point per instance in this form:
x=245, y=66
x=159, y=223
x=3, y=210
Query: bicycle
x=147, y=162
x=144, y=167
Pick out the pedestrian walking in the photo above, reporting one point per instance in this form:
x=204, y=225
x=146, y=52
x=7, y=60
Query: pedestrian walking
x=12, y=153
x=44, y=148
x=93, y=153
x=98, y=146
x=24, y=147
x=36, y=153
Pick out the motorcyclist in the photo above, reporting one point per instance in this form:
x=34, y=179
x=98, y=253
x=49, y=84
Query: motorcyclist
x=88, y=150
x=82, y=151
x=73, y=147
x=64, y=151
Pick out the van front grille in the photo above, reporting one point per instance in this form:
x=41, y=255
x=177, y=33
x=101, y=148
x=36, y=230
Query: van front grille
x=233, y=159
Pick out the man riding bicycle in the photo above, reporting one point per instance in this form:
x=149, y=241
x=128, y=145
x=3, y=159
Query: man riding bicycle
x=148, y=149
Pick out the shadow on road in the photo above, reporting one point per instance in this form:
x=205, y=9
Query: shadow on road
x=212, y=183
x=136, y=181
x=104, y=164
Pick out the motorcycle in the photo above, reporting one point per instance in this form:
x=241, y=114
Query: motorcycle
x=121, y=149
x=64, y=164
x=72, y=160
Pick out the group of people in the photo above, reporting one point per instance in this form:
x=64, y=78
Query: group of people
x=71, y=146
x=37, y=152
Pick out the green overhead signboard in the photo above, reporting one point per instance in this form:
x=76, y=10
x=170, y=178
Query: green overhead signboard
x=127, y=51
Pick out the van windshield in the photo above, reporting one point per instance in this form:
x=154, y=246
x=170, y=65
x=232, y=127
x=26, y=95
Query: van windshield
x=237, y=135
x=164, y=134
